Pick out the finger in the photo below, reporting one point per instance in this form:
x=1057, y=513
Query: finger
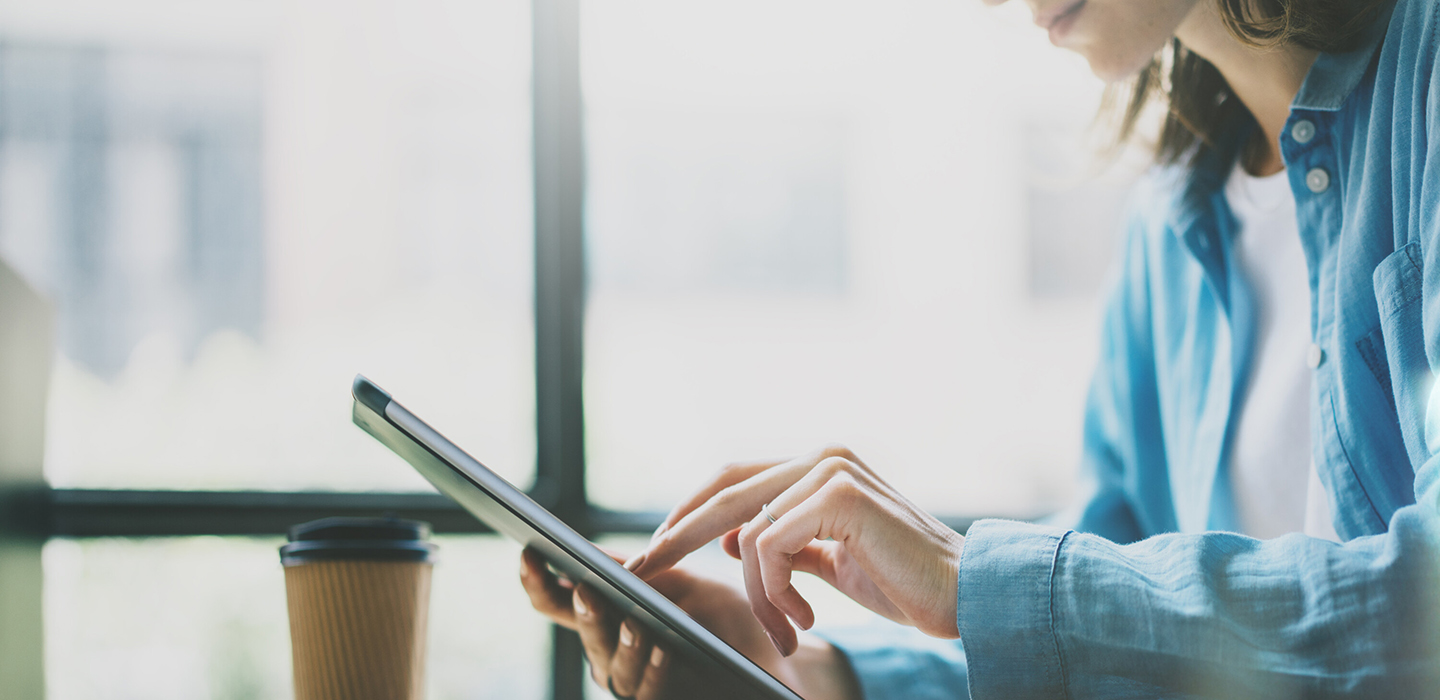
x=657, y=671
x=776, y=625
x=824, y=472
x=596, y=634
x=546, y=594
x=818, y=559
x=805, y=512
x=822, y=559
x=730, y=542
x=613, y=554
x=794, y=534
x=632, y=654
x=729, y=475
x=850, y=500
x=728, y=509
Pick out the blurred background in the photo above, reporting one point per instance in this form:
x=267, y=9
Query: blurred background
x=806, y=221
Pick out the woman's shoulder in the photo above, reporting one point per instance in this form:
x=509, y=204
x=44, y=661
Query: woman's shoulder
x=1409, y=43
x=1417, y=15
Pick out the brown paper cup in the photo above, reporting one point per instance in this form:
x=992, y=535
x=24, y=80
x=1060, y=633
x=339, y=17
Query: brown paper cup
x=358, y=609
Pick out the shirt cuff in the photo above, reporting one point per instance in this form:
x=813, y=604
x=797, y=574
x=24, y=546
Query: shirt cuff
x=893, y=661
x=1004, y=612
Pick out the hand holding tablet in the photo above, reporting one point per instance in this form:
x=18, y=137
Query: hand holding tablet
x=693, y=655
x=623, y=654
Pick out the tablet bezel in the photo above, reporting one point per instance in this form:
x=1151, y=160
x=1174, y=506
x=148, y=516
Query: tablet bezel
x=497, y=503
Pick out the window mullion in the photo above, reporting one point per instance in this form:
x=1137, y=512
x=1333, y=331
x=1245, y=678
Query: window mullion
x=559, y=291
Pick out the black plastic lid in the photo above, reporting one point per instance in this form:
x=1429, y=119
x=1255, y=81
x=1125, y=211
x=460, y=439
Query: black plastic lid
x=361, y=529
x=369, y=539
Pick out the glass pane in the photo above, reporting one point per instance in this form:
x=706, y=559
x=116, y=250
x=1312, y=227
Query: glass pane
x=237, y=206
x=205, y=617
x=814, y=221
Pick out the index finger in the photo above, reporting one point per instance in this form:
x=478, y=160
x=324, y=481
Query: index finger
x=725, y=510
x=730, y=475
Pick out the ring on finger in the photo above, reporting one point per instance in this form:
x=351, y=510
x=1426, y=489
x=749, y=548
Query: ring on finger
x=610, y=682
x=765, y=509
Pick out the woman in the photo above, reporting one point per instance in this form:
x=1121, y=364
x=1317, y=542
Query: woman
x=1267, y=368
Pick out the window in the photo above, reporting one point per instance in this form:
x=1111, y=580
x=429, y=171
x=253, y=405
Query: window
x=837, y=223
x=230, y=233
x=766, y=226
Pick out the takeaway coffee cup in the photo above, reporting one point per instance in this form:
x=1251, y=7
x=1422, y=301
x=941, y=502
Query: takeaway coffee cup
x=359, y=592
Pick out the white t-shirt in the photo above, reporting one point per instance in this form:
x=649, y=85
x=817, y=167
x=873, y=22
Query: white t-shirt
x=1276, y=488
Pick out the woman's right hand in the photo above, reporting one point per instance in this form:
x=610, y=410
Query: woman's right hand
x=624, y=659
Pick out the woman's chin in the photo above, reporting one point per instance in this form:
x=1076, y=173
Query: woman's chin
x=1114, y=69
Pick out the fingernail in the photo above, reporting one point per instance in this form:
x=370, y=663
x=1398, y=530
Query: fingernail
x=627, y=638
x=635, y=563
x=524, y=571
x=775, y=642
x=581, y=608
x=657, y=656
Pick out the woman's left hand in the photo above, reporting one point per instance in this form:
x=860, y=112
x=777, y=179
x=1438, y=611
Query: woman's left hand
x=887, y=554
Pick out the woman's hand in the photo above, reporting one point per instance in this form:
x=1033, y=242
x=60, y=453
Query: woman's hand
x=626, y=661
x=887, y=554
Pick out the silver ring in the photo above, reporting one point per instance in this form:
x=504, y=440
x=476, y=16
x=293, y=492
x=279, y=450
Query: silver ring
x=766, y=510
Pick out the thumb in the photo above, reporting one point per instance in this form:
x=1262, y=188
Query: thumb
x=818, y=559
x=730, y=542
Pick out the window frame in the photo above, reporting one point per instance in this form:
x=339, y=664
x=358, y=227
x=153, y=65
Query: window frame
x=32, y=511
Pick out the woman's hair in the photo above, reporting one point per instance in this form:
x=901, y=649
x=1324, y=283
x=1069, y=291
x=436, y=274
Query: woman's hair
x=1199, y=100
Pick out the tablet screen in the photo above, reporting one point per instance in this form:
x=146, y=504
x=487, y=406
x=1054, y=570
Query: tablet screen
x=510, y=512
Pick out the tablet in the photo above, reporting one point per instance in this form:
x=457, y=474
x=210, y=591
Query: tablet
x=510, y=512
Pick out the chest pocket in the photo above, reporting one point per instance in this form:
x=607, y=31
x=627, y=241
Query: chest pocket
x=1396, y=350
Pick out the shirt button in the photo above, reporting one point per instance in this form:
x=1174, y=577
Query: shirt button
x=1204, y=242
x=1314, y=356
x=1303, y=131
x=1317, y=180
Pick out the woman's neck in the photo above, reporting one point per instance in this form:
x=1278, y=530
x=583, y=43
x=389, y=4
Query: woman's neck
x=1266, y=80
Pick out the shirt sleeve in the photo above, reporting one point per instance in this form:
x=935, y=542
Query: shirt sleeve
x=1116, y=605
x=1051, y=613
x=893, y=661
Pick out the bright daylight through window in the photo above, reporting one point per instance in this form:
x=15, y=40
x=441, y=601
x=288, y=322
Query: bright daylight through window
x=806, y=221
x=835, y=225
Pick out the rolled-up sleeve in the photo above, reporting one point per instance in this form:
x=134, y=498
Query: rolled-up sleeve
x=1047, y=614
x=1004, y=609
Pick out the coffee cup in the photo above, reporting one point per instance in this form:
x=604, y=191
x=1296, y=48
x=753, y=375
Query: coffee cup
x=358, y=593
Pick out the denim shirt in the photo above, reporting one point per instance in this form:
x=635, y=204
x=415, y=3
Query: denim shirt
x=1150, y=593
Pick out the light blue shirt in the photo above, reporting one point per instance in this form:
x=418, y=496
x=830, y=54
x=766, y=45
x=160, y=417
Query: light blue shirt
x=1150, y=594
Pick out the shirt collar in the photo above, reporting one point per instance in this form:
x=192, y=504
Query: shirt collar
x=1335, y=75
x=1202, y=174
x=1327, y=85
